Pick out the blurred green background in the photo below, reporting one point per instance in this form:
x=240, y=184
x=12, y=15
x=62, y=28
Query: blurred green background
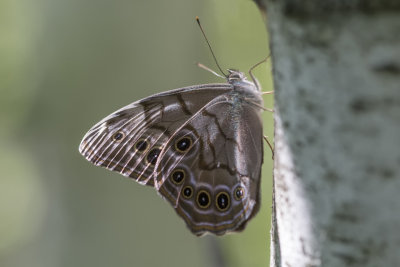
x=65, y=64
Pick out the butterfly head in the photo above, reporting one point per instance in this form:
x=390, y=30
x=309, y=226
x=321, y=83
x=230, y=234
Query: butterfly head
x=235, y=76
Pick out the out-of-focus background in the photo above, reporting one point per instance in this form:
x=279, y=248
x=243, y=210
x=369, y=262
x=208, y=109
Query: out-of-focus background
x=64, y=65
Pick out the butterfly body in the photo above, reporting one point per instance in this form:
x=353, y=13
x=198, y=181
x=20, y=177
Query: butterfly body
x=200, y=147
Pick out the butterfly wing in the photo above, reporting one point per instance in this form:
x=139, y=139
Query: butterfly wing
x=210, y=168
x=129, y=140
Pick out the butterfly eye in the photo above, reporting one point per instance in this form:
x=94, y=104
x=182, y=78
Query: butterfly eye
x=183, y=144
x=203, y=199
x=178, y=176
x=118, y=136
x=152, y=156
x=141, y=145
x=222, y=201
x=239, y=193
x=187, y=192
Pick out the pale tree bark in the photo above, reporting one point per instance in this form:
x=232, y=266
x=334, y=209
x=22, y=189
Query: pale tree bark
x=336, y=67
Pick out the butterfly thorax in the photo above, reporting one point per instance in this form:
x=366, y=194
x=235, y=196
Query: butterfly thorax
x=244, y=89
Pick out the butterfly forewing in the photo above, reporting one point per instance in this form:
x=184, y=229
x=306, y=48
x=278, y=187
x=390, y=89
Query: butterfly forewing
x=128, y=141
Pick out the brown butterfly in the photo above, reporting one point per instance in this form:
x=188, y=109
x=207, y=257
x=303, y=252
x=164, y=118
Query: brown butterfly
x=200, y=147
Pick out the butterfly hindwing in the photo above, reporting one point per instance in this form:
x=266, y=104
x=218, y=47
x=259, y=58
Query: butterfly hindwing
x=210, y=168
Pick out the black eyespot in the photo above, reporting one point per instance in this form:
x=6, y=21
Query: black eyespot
x=118, y=136
x=187, y=192
x=141, y=145
x=152, y=156
x=203, y=199
x=239, y=193
x=177, y=176
x=222, y=201
x=183, y=144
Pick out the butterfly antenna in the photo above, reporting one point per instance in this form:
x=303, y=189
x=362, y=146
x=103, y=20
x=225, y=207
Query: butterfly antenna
x=209, y=46
x=256, y=83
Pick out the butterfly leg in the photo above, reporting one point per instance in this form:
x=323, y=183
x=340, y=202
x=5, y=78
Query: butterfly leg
x=258, y=106
x=267, y=93
x=270, y=146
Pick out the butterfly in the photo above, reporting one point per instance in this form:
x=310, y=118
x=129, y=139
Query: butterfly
x=200, y=147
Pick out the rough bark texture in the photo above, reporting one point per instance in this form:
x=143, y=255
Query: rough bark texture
x=336, y=71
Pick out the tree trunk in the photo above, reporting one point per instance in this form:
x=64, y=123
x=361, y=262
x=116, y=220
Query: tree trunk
x=336, y=67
